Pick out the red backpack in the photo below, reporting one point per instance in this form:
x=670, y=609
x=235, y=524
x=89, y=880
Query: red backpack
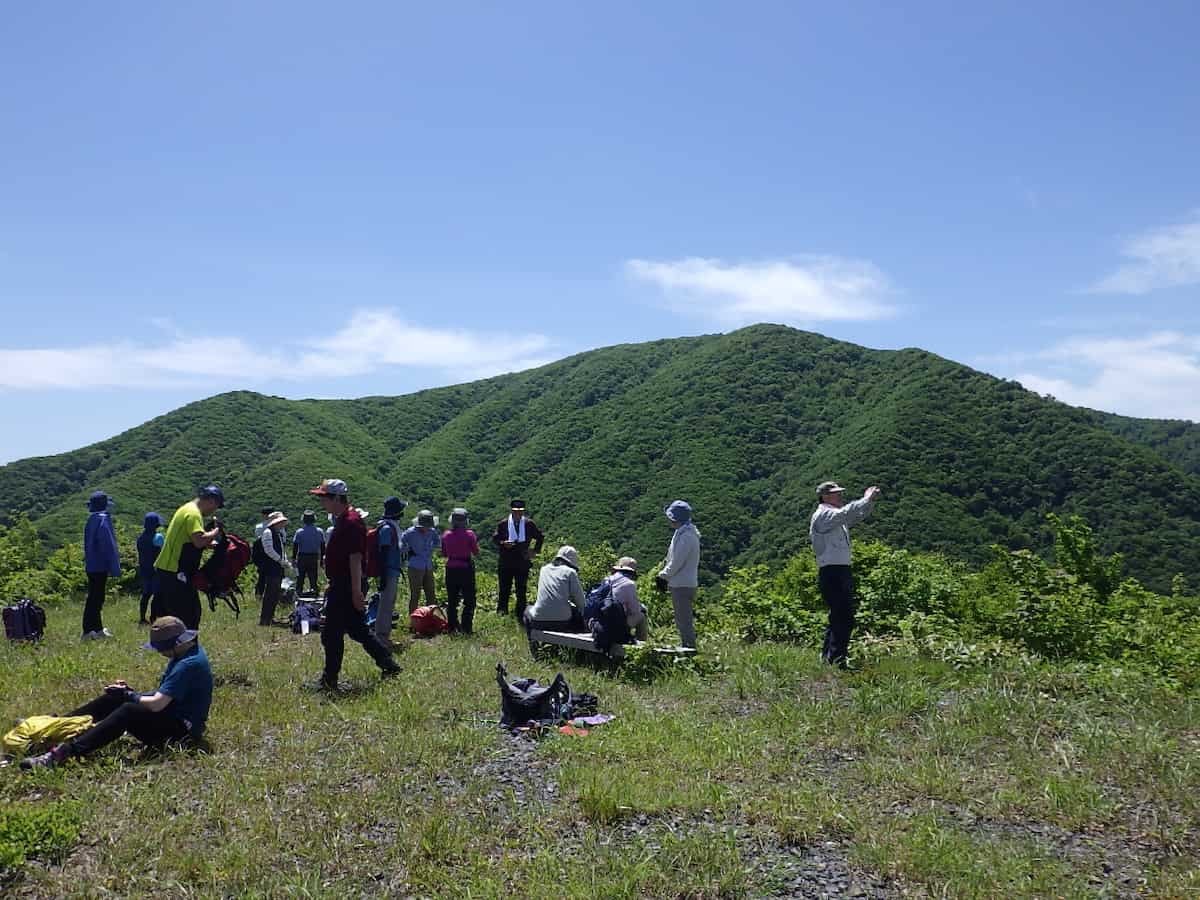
x=372, y=564
x=428, y=621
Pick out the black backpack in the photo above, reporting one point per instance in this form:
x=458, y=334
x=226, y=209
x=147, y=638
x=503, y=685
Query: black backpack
x=258, y=555
x=24, y=621
x=524, y=700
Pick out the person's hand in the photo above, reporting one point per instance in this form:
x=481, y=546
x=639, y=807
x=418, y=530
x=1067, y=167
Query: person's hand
x=660, y=583
x=118, y=686
x=872, y=493
x=508, y=545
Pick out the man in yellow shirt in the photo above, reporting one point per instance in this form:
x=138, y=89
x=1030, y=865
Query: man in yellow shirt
x=179, y=559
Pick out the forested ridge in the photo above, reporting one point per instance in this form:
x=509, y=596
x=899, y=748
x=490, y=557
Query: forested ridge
x=743, y=425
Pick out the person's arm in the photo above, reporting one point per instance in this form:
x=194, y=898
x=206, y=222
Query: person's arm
x=155, y=702
x=202, y=540
x=538, y=540
x=114, y=552
x=356, y=585
x=672, y=565
x=268, y=546
x=498, y=537
x=828, y=518
x=295, y=545
x=577, y=598
x=474, y=545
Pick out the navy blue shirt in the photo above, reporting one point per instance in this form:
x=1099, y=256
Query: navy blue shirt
x=188, y=682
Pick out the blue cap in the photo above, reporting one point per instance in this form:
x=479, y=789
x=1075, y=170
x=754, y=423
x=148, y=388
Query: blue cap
x=98, y=502
x=213, y=492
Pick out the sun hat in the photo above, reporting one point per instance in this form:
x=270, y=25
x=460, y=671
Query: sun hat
x=276, y=518
x=626, y=564
x=569, y=555
x=679, y=511
x=98, y=502
x=168, y=632
x=309, y=517
x=829, y=487
x=331, y=487
x=426, y=519
x=459, y=514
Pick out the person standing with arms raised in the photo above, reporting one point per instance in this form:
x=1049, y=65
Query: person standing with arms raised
x=519, y=540
x=829, y=530
x=346, y=603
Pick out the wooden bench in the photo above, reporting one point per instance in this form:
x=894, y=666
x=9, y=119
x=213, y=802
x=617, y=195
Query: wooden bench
x=587, y=644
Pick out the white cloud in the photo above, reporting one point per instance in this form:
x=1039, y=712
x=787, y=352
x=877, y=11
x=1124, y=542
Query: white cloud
x=1159, y=258
x=1151, y=376
x=372, y=340
x=806, y=289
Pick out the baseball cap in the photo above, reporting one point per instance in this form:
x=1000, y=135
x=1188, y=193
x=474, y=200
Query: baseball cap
x=213, y=492
x=829, y=487
x=331, y=487
x=168, y=632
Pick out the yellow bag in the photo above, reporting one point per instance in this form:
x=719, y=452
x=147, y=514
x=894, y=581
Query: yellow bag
x=38, y=732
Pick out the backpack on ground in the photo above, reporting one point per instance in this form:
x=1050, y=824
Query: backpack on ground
x=428, y=621
x=595, y=600
x=306, y=613
x=24, y=621
x=524, y=700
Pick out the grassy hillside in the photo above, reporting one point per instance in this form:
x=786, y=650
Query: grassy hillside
x=742, y=425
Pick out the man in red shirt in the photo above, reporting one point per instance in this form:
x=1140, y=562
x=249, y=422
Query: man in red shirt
x=346, y=602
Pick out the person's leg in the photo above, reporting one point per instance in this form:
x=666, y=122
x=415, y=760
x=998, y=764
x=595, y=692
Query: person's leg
x=149, y=727
x=271, y=594
x=96, y=584
x=415, y=577
x=100, y=707
x=387, y=606
x=506, y=586
x=522, y=579
x=162, y=588
x=147, y=593
x=468, y=592
x=430, y=584
x=683, y=599
x=333, y=637
x=835, y=589
x=309, y=565
x=191, y=606
x=355, y=625
x=260, y=584
x=454, y=591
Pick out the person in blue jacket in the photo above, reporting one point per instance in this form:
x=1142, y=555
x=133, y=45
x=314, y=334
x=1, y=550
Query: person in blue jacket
x=149, y=542
x=101, y=559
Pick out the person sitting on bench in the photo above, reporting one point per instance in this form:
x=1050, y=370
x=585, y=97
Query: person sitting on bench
x=624, y=590
x=177, y=711
x=560, y=598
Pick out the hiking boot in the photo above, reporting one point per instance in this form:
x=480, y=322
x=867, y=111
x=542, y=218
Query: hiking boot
x=53, y=757
x=326, y=684
x=390, y=672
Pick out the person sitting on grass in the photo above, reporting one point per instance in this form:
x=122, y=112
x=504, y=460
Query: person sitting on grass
x=176, y=712
x=560, y=598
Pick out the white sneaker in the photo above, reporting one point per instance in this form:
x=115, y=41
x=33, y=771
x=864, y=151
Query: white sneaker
x=104, y=633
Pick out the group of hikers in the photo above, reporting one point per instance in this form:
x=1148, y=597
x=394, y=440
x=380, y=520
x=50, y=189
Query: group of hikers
x=178, y=710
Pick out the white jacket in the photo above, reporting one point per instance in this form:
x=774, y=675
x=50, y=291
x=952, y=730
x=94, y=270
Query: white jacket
x=829, y=530
x=683, y=558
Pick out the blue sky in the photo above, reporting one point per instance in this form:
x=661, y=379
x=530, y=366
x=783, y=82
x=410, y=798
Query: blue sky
x=310, y=200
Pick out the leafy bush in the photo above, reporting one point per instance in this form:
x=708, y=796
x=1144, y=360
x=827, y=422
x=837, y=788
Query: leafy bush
x=46, y=832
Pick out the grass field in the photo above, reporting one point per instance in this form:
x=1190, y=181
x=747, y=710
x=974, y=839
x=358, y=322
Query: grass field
x=764, y=774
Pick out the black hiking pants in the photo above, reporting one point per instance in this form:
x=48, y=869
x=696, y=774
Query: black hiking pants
x=97, y=582
x=508, y=578
x=343, y=621
x=307, y=564
x=460, y=584
x=180, y=599
x=837, y=589
x=271, y=594
x=115, y=716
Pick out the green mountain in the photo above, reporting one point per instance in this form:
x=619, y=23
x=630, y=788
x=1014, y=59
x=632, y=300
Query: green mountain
x=743, y=425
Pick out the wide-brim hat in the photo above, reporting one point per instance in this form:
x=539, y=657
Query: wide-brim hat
x=426, y=519
x=276, y=518
x=393, y=506
x=569, y=555
x=98, y=502
x=626, y=564
x=169, y=632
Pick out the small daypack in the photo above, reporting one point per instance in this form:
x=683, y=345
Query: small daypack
x=524, y=700
x=24, y=621
x=373, y=563
x=428, y=621
x=596, y=600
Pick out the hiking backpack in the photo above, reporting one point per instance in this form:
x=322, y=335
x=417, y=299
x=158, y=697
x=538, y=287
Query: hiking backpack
x=258, y=555
x=428, y=621
x=219, y=575
x=596, y=599
x=373, y=563
x=24, y=621
x=524, y=700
